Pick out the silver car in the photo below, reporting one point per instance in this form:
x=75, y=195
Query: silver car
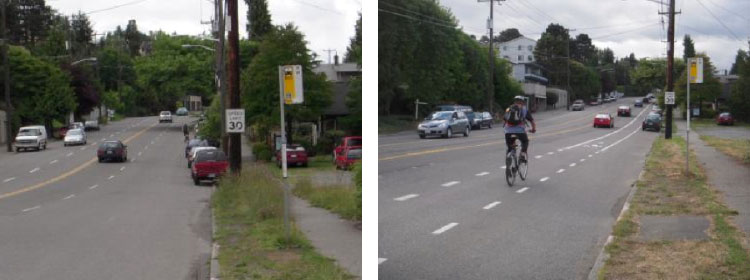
x=75, y=137
x=444, y=123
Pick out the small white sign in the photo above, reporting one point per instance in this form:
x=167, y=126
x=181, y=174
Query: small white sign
x=235, y=120
x=669, y=98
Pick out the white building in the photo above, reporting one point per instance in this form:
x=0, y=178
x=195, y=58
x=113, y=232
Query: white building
x=518, y=50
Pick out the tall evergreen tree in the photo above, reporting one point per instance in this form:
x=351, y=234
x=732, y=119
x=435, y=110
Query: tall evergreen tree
x=507, y=35
x=258, y=19
x=27, y=21
x=81, y=33
x=133, y=37
x=741, y=57
x=354, y=50
x=689, y=47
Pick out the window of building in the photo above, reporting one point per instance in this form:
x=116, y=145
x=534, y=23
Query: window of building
x=520, y=47
x=506, y=57
x=505, y=48
x=520, y=58
x=530, y=47
x=530, y=58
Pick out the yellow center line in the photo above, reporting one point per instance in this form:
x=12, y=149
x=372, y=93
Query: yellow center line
x=69, y=173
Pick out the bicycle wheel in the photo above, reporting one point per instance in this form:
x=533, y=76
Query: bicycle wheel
x=523, y=168
x=510, y=176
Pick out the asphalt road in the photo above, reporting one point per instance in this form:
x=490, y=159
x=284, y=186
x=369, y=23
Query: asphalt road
x=445, y=211
x=63, y=215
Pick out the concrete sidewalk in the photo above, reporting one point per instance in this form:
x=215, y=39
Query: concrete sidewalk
x=725, y=174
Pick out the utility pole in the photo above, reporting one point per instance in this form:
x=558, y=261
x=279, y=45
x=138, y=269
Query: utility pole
x=491, y=85
x=220, y=71
x=670, y=69
x=6, y=84
x=235, y=143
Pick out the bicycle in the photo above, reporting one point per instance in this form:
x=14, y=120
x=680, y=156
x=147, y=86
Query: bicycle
x=514, y=166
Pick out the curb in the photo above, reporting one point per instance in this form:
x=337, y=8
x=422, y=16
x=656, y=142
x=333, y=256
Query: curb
x=213, y=269
x=603, y=255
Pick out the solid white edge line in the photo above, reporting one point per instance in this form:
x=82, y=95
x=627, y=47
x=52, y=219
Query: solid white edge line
x=502, y=167
x=69, y=197
x=522, y=190
x=444, y=228
x=451, y=183
x=381, y=260
x=482, y=174
x=489, y=206
x=544, y=179
x=93, y=187
x=32, y=208
x=561, y=170
x=618, y=141
x=406, y=197
x=606, y=135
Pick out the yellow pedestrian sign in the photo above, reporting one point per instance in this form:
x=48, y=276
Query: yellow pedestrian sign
x=292, y=84
x=695, y=73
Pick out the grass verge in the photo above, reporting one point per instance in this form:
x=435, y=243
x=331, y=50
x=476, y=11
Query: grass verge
x=736, y=148
x=667, y=189
x=248, y=212
x=703, y=123
x=396, y=123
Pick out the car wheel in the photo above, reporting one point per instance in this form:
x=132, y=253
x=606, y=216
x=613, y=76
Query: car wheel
x=65, y=144
x=490, y=126
x=422, y=136
x=466, y=132
x=100, y=159
x=196, y=181
x=449, y=133
x=18, y=150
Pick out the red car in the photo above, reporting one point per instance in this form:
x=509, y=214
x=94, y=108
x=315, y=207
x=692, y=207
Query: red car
x=604, y=120
x=347, y=142
x=347, y=158
x=725, y=119
x=295, y=155
x=623, y=111
x=208, y=165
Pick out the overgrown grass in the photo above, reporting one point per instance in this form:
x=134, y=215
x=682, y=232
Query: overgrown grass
x=667, y=189
x=342, y=200
x=703, y=123
x=735, y=148
x=396, y=123
x=248, y=212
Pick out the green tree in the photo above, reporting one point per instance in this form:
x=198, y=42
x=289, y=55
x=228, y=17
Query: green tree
x=115, y=68
x=258, y=19
x=81, y=32
x=27, y=21
x=709, y=90
x=739, y=101
x=507, y=35
x=40, y=91
x=584, y=81
x=689, y=47
x=551, y=52
x=354, y=50
x=583, y=50
x=740, y=58
x=133, y=38
x=285, y=45
x=650, y=74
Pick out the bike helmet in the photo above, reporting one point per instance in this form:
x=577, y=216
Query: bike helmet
x=519, y=98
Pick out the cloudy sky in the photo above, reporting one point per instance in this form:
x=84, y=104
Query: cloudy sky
x=625, y=26
x=327, y=24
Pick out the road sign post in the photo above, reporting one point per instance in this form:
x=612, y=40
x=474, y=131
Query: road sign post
x=669, y=98
x=694, y=75
x=290, y=92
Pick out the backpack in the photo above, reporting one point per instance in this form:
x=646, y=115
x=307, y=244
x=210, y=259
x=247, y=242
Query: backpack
x=513, y=115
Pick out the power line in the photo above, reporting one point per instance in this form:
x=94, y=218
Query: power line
x=717, y=19
x=517, y=11
x=115, y=7
x=416, y=19
x=527, y=4
x=627, y=31
x=432, y=18
x=729, y=11
x=320, y=8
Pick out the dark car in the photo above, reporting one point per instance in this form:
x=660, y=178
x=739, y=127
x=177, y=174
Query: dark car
x=638, y=103
x=193, y=143
x=208, y=165
x=481, y=119
x=112, y=150
x=472, y=116
x=646, y=100
x=725, y=119
x=623, y=111
x=652, y=122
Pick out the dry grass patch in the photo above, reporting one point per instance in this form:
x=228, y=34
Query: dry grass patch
x=666, y=260
x=738, y=149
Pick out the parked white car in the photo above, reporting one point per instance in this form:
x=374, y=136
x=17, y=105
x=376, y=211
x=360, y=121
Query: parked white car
x=91, y=125
x=75, y=137
x=29, y=137
x=165, y=116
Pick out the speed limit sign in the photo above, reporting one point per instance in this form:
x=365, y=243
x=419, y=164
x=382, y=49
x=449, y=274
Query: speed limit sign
x=235, y=120
x=669, y=98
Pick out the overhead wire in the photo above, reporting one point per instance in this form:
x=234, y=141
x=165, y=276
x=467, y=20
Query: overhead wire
x=729, y=11
x=717, y=19
x=320, y=8
x=527, y=16
x=432, y=18
x=623, y=32
x=527, y=4
x=115, y=7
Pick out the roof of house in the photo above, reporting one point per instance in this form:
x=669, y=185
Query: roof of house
x=330, y=70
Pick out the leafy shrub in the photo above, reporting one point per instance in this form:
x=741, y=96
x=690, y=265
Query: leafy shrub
x=262, y=151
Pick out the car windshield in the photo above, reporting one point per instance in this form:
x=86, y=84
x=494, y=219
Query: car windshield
x=602, y=116
x=210, y=155
x=29, y=132
x=74, y=132
x=354, y=153
x=623, y=107
x=653, y=117
x=110, y=145
x=724, y=115
x=578, y=102
x=164, y=113
x=441, y=116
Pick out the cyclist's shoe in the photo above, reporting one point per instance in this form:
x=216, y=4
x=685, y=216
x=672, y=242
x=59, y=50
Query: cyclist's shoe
x=522, y=157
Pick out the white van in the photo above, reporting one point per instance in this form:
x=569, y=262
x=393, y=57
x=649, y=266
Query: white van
x=34, y=136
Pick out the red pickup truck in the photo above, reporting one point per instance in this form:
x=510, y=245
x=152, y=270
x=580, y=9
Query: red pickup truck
x=346, y=143
x=208, y=165
x=346, y=159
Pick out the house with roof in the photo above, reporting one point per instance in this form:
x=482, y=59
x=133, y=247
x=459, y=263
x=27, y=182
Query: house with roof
x=520, y=53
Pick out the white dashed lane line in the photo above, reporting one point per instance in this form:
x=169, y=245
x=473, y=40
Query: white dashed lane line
x=561, y=170
x=69, y=197
x=122, y=168
x=591, y=155
x=9, y=179
x=583, y=159
x=482, y=174
x=538, y=157
x=550, y=153
x=503, y=167
x=53, y=162
x=489, y=206
x=104, y=138
x=93, y=187
x=93, y=144
x=34, y=170
x=544, y=179
x=406, y=197
x=444, y=228
x=522, y=190
x=31, y=209
x=139, y=153
x=69, y=154
x=110, y=136
x=572, y=164
x=83, y=148
x=110, y=177
x=451, y=183
x=381, y=260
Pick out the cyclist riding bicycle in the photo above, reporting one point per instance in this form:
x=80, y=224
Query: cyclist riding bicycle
x=515, y=124
x=186, y=132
